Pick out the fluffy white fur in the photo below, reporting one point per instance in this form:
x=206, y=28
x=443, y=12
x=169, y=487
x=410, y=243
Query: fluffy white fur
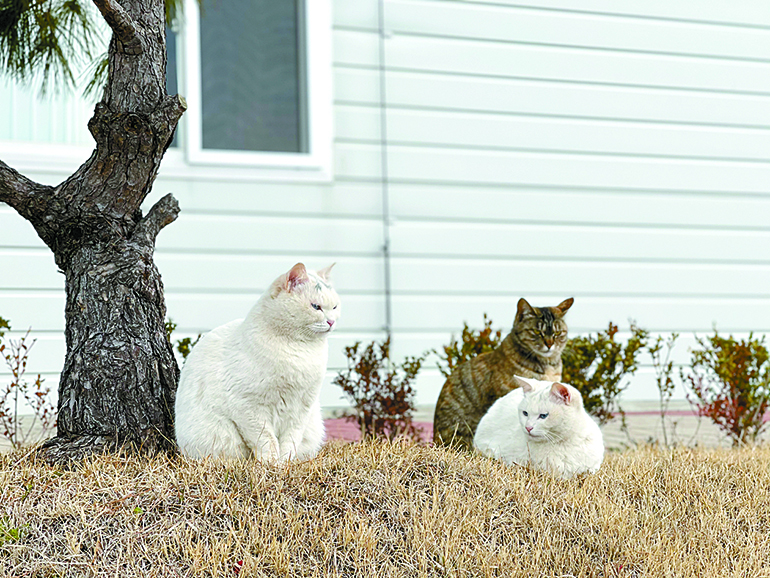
x=251, y=387
x=542, y=424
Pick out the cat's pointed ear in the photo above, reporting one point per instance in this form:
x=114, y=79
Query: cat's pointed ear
x=564, y=306
x=523, y=308
x=561, y=394
x=326, y=272
x=295, y=277
x=525, y=386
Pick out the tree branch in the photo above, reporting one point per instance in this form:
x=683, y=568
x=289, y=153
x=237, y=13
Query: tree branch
x=162, y=213
x=29, y=198
x=123, y=26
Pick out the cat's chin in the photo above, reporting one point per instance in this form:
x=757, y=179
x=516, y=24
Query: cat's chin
x=549, y=353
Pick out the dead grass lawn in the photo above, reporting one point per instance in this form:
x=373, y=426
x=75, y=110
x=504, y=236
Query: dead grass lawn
x=379, y=509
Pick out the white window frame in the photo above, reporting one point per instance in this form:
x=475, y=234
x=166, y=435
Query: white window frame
x=312, y=165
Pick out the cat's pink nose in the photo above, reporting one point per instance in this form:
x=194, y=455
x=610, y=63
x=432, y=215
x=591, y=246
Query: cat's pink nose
x=330, y=322
x=529, y=428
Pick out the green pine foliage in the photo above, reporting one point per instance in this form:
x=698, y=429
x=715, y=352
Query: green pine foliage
x=49, y=38
x=54, y=38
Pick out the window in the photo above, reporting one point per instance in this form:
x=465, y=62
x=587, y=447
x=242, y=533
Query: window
x=257, y=79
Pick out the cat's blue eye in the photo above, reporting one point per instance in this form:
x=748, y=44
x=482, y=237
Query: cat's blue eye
x=543, y=415
x=525, y=413
x=315, y=306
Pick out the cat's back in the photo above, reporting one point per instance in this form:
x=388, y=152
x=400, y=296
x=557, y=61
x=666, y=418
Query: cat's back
x=206, y=363
x=210, y=351
x=498, y=435
x=468, y=393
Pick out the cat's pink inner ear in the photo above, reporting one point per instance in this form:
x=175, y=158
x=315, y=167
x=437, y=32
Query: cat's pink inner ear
x=296, y=276
x=326, y=272
x=523, y=384
x=560, y=392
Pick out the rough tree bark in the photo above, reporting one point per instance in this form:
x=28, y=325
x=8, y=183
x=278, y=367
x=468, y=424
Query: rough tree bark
x=120, y=375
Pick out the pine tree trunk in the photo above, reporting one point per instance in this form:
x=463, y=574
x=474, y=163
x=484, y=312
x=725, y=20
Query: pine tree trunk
x=120, y=375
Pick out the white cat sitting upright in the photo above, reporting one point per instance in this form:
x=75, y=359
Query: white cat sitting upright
x=251, y=387
x=542, y=424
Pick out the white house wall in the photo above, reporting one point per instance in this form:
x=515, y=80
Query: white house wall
x=614, y=152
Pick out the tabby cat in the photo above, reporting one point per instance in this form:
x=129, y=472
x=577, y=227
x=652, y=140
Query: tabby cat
x=532, y=349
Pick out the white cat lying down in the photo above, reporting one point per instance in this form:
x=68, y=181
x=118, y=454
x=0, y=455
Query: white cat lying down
x=251, y=387
x=542, y=424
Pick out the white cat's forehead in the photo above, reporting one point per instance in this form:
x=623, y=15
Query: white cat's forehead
x=320, y=284
x=317, y=288
x=536, y=404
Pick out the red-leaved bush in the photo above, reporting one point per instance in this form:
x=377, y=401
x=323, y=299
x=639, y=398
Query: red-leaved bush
x=729, y=382
x=380, y=391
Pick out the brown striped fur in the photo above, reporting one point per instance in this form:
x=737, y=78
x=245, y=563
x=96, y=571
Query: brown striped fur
x=532, y=349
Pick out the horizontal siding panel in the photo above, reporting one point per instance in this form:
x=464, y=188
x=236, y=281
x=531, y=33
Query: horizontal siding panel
x=202, y=312
x=548, y=98
x=57, y=117
x=518, y=278
x=182, y=272
x=29, y=269
x=577, y=242
x=579, y=65
x=357, y=85
x=570, y=206
x=564, y=170
x=271, y=234
x=713, y=14
x=355, y=48
x=591, y=136
x=192, y=312
x=46, y=356
x=16, y=231
x=719, y=12
x=359, y=123
x=439, y=313
x=522, y=24
x=269, y=198
x=356, y=161
x=40, y=311
x=355, y=13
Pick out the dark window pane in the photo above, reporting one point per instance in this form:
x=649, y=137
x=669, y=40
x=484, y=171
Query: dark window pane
x=251, y=76
x=171, y=81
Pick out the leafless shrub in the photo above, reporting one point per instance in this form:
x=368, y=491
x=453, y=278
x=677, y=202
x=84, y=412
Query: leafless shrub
x=19, y=394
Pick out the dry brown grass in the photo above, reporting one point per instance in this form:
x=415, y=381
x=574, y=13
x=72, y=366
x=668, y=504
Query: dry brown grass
x=380, y=509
